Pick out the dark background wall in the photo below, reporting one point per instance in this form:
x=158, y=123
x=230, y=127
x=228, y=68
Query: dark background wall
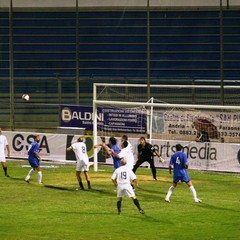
x=182, y=44
x=54, y=51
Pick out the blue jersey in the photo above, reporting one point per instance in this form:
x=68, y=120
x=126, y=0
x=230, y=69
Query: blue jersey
x=178, y=161
x=116, y=161
x=33, y=148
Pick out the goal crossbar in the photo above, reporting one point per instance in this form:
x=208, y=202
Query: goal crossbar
x=166, y=105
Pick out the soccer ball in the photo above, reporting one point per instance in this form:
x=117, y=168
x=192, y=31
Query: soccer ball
x=25, y=97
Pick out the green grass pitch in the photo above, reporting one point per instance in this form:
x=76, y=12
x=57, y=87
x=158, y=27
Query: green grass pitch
x=55, y=210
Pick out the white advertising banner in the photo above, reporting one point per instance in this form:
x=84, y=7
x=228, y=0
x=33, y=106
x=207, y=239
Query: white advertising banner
x=203, y=156
x=53, y=146
x=184, y=124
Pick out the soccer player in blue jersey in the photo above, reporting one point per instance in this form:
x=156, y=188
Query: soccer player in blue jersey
x=180, y=164
x=110, y=148
x=114, y=147
x=34, y=159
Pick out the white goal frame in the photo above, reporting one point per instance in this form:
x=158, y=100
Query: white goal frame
x=150, y=104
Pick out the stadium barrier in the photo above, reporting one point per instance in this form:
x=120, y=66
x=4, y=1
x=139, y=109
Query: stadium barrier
x=212, y=156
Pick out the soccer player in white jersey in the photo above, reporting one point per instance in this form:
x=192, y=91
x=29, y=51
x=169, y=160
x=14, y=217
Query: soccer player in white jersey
x=179, y=163
x=122, y=178
x=126, y=153
x=82, y=165
x=4, y=145
x=125, y=138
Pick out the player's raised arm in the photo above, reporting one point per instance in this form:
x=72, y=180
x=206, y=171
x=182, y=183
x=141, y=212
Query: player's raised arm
x=69, y=148
x=98, y=145
x=114, y=153
x=107, y=149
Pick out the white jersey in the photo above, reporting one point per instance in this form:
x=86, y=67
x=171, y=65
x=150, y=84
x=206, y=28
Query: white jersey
x=80, y=150
x=130, y=146
x=123, y=175
x=127, y=154
x=3, y=144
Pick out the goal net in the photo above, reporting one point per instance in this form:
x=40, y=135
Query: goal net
x=183, y=113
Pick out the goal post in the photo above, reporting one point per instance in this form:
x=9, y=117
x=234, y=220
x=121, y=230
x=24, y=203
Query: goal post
x=165, y=105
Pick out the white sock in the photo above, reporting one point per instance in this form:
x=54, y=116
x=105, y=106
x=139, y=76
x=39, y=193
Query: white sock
x=40, y=177
x=170, y=191
x=29, y=174
x=193, y=191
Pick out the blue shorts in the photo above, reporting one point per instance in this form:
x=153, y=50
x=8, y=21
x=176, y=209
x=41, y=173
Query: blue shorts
x=185, y=178
x=34, y=163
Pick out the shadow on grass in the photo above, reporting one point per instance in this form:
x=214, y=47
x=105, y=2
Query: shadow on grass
x=145, y=217
x=102, y=191
x=213, y=207
x=59, y=188
x=124, y=216
x=16, y=178
x=86, y=213
x=150, y=191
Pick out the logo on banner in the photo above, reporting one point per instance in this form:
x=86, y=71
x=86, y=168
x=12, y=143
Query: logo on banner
x=202, y=152
x=108, y=119
x=79, y=116
x=84, y=115
x=70, y=155
x=19, y=142
x=66, y=114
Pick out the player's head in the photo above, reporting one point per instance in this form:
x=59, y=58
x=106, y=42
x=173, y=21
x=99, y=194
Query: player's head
x=142, y=140
x=112, y=141
x=37, y=138
x=124, y=144
x=80, y=139
x=124, y=138
x=179, y=147
x=123, y=162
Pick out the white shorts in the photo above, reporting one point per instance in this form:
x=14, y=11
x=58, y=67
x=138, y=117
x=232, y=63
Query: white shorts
x=82, y=166
x=2, y=158
x=125, y=190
